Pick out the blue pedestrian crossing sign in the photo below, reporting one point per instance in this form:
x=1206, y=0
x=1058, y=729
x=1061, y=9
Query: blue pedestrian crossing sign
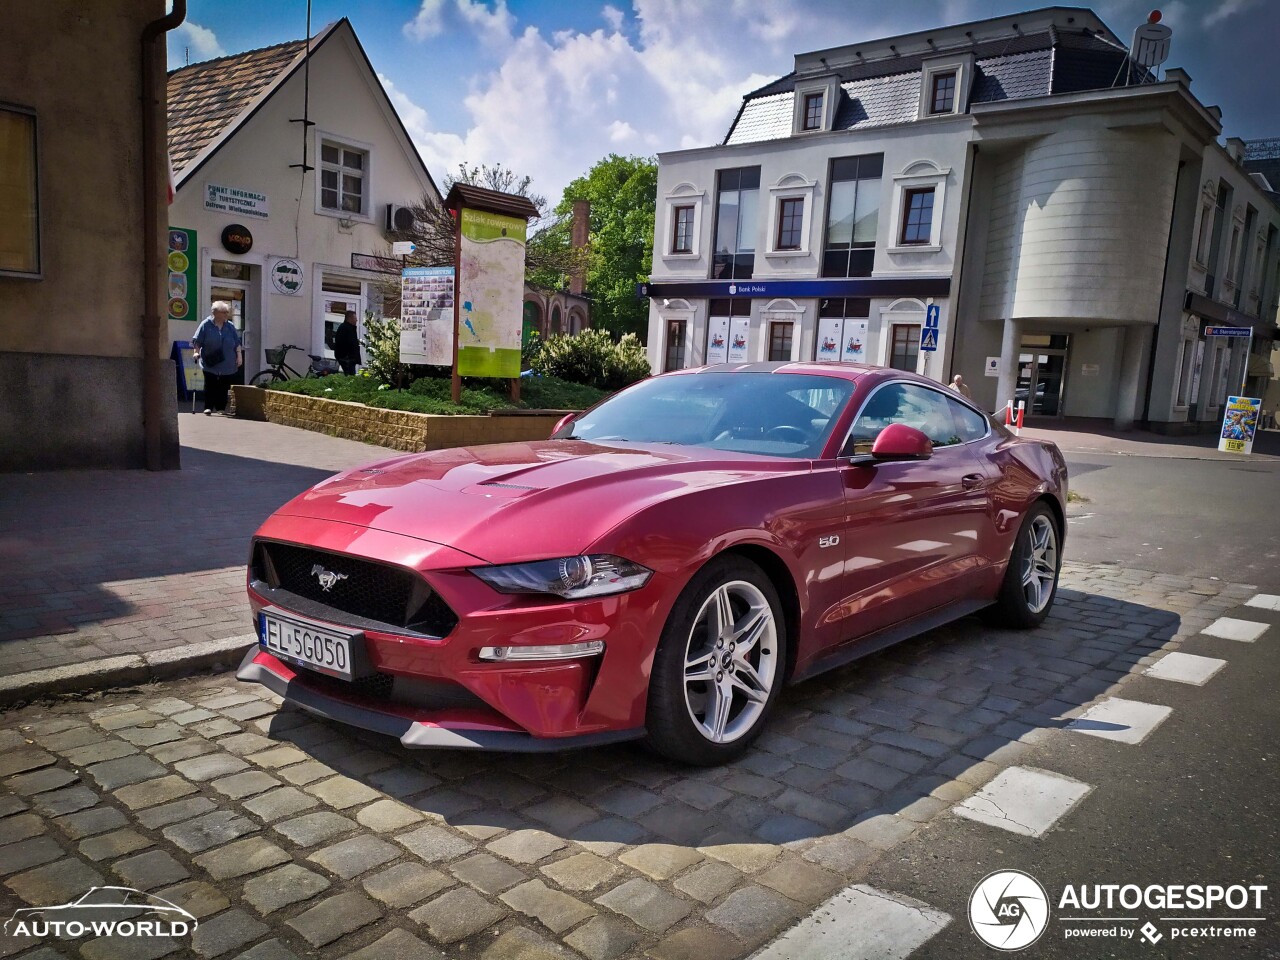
x=931, y=315
x=928, y=339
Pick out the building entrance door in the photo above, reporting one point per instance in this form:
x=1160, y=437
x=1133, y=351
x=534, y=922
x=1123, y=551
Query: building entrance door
x=1042, y=372
x=232, y=282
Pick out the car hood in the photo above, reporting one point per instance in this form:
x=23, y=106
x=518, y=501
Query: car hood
x=511, y=502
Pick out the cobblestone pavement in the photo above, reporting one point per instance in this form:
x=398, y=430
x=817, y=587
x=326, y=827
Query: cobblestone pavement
x=293, y=837
x=131, y=561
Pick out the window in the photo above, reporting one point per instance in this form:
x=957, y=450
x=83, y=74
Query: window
x=1215, y=240
x=813, y=111
x=343, y=171
x=904, y=346
x=925, y=409
x=790, y=219
x=970, y=424
x=19, y=193
x=675, y=345
x=682, y=232
x=917, y=215
x=843, y=307
x=737, y=199
x=780, y=341
x=853, y=216
x=1186, y=360
x=942, y=93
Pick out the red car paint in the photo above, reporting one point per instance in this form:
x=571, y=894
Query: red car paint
x=919, y=542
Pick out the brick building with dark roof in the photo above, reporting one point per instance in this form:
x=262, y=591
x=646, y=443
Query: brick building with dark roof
x=1015, y=200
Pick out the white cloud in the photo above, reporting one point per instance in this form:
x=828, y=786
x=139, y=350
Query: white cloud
x=493, y=23
x=613, y=17
x=428, y=22
x=1225, y=9
x=190, y=42
x=620, y=132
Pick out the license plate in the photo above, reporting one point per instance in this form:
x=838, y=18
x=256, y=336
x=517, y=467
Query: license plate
x=307, y=645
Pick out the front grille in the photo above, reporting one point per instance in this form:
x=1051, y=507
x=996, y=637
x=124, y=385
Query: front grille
x=363, y=588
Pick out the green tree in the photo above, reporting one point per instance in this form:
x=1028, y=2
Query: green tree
x=623, y=195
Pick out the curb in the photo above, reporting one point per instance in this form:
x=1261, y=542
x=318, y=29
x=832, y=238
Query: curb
x=122, y=671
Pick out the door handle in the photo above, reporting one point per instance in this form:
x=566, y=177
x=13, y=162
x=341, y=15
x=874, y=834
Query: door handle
x=972, y=481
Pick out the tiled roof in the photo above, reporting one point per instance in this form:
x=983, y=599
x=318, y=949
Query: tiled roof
x=885, y=92
x=205, y=97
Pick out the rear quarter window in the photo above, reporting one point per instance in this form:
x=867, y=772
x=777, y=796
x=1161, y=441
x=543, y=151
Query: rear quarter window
x=970, y=424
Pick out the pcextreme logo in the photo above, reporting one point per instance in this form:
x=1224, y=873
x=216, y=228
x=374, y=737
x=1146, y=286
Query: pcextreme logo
x=1009, y=910
x=104, y=912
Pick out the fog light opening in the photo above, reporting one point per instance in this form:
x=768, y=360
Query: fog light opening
x=552, y=651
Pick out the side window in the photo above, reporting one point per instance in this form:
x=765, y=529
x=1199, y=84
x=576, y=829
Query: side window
x=970, y=424
x=926, y=410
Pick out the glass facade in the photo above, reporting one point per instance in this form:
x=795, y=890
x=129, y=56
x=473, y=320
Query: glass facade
x=737, y=221
x=853, y=216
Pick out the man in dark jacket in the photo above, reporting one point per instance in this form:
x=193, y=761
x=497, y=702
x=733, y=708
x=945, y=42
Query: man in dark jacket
x=346, y=344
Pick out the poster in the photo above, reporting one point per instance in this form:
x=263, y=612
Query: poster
x=426, y=315
x=739, y=331
x=1239, y=424
x=181, y=262
x=830, y=330
x=718, y=340
x=853, y=345
x=490, y=294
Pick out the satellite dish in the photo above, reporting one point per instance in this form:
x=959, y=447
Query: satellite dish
x=1150, y=46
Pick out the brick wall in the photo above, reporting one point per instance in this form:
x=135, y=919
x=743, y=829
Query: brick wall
x=400, y=429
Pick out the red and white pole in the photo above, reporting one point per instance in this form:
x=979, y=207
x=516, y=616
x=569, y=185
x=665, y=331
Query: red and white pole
x=1021, y=407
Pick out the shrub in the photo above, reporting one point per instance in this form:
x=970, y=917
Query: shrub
x=382, y=349
x=592, y=358
x=529, y=351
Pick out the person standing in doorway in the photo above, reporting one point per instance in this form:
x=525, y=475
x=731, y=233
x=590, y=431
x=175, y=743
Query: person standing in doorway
x=219, y=352
x=960, y=387
x=346, y=344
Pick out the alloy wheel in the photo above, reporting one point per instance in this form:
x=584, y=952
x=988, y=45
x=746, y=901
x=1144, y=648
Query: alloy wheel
x=731, y=661
x=1040, y=568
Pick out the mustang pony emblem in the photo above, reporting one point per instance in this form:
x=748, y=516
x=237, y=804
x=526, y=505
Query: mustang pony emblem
x=328, y=578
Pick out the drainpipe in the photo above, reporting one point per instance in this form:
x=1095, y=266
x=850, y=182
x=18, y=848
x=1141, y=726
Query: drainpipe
x=154, y=173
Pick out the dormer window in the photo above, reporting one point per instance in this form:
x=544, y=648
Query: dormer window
x=942, y=93
x=813, y=111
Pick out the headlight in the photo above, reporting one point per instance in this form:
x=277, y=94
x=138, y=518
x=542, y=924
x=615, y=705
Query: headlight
x=598, y=575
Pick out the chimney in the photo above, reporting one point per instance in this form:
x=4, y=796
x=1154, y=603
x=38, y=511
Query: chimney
x=580, y=232
x=1235, y=148
x=1178, y=75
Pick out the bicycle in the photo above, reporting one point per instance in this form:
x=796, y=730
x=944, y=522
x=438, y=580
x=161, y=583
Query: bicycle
x=279, y=369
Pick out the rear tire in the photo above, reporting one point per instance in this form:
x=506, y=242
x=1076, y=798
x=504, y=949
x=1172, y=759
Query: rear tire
x=719, y=665
x=1031, y=580
x=266, y=378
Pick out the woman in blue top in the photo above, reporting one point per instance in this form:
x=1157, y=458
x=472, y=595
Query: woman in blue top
x=217, y=349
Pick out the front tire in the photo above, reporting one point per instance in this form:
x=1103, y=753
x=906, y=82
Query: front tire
x=719, y=665
x=1031, y=581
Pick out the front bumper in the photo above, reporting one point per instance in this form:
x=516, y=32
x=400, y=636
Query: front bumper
x=413, y=728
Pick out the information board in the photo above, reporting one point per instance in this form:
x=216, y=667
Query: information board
x=426, y=315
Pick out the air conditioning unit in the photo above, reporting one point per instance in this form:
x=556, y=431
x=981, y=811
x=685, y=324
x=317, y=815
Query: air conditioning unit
x=399, y=219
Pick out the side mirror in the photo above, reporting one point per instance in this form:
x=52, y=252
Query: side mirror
x=567, y=419
x=900, y=442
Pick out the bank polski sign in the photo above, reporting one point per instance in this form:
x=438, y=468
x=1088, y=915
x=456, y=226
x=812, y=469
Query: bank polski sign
x=286, y=277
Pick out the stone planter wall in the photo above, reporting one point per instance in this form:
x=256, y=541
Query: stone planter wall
x=402, y=430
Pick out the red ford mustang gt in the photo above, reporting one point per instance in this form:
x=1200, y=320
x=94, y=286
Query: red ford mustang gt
x=660, y=567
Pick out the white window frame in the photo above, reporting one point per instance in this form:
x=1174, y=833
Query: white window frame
x=829, y=88
x=793, y=186
x=779, y=311
x=345, y=143
x=1204, y=236
x=963, y=68
x=920, y=174
x=683, y=195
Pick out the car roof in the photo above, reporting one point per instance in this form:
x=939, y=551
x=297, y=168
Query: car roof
x=838, y=370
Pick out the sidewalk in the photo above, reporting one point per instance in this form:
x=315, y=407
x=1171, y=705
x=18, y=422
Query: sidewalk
x=125, y=564
x=1097, y=436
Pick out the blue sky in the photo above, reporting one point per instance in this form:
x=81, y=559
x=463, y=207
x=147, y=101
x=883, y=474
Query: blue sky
x=548, y=87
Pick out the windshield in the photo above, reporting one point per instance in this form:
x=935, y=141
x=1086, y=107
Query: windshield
x=777, y=414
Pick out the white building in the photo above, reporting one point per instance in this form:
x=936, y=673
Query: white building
x=1072, y=218
x=285, y=168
